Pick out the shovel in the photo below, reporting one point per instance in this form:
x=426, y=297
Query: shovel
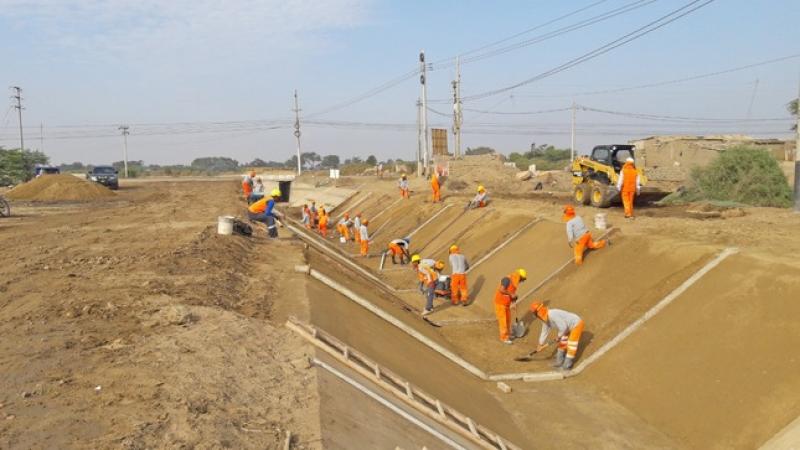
x=529, y=356
x=518, y=328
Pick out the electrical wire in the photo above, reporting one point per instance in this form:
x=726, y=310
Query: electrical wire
x=629, y=37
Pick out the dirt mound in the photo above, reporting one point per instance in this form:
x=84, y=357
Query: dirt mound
x=488, y=170
x=54, y=188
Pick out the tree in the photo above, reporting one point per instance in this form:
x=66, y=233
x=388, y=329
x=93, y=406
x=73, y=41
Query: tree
x=258, y=162
x=479, y=151
x=372, y=160
x=17, y=166
x=215, y=164
x=76, y=166
x=330, y=162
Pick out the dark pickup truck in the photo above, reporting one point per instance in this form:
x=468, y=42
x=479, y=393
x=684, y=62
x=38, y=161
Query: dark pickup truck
x=105, y=175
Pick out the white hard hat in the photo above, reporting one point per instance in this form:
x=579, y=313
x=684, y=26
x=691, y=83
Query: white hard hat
x=629, y=160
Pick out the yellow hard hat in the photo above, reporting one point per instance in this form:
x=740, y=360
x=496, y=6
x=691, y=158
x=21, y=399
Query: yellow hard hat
x=415, y=258
x=523, y=273
x=275, y=193
x=453, y=248
x=481, y=188
x=439, y=265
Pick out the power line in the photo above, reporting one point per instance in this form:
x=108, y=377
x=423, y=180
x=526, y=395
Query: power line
x=629, y=37
x=368, y=94
x=559, y=32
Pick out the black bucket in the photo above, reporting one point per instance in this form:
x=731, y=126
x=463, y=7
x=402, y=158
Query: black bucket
x=286, y=190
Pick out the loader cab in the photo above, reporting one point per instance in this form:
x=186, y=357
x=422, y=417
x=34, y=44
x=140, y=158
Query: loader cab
x=612, y=155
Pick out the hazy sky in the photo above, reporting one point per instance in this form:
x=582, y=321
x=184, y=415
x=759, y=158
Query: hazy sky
x=204, y=78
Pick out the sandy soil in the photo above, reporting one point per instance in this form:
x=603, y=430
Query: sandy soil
x=132, y=324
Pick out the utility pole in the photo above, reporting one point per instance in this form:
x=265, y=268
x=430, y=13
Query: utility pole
x=419, y=138
x=572, y=135
x=18, y=97
x=41, y=137
x=423, y=80
x=297, y=131
x=457, y=118
x=125, y=133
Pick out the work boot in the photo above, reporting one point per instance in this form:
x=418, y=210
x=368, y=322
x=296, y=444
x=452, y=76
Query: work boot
x=426, y=312
x=568, y=363
x=508, y=342
x=560, y=354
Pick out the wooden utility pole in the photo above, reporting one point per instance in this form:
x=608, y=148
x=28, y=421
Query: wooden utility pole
x=424, y=82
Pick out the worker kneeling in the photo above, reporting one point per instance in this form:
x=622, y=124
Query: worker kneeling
x=399, y=247
x=264, y=211
x=568, y=327
x=578, y=236
x=480, y=200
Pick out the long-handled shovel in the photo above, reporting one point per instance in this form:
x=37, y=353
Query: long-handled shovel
x=529, y=356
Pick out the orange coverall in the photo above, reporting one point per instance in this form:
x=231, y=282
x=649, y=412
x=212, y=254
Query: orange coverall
x=437, y=194
x=323, y=223
x=629, y=187
x=583, y=243
x=502, y=309
x=247, y=188
x=343, y=230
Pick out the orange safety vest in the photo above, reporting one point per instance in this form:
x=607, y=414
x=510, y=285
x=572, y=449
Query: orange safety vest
x=246, y=188
x=629, y=175
x=501, y=298
x=515, y=278
x=259, y=206
x=426, y=275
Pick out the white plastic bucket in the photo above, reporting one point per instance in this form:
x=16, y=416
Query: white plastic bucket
x=600, y=221
x=342, y=240
x=225, y=225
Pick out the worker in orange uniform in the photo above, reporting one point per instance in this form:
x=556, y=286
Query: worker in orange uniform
x=314, y=214
x=458, y=276
x=503, y=302
x=480, y=200
x=323, y=222
x=578, y=236
x=628, y=186
x=343, y=227
x=517, y=277
x=364, y=237
x=403, y=184
x=247, y=185
x=264, y=211
x=436, y=187
x=427, y=280
x=399, y=247
x=568, y=327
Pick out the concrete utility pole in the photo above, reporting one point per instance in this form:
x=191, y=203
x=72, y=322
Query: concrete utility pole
x=457, y=118
x=423, y=80
x=419, y=138
x=18, y=97
x=125, y=133
x=797, y=155
x=297, y=131
x=41, y=137
x=572, y=135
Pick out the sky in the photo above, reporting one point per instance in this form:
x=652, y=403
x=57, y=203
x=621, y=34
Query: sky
x=195, y=78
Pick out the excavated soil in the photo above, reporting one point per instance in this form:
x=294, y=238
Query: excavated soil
x=55, y=188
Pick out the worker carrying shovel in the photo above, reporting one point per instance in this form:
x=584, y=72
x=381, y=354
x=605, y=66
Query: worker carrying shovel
x=480, y=200
x=264, y=211
x=399, y=247
x=568, y=327
x=578, y=236
x=505, y=298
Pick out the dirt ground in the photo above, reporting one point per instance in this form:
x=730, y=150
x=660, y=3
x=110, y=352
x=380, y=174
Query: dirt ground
x=128, y=322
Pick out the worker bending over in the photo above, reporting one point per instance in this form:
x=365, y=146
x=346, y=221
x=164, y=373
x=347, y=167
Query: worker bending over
x=427, y=279
x=343, y=227
x=264, y=211
x=578, y=236
x=403, y=184
x=399, y=247
x=436, y=187
x=323, y=222
x=480, y=200
x=628, y=186
x=568, y=327
x=458, y=277
x=503, y=302
x=247, y=185
x=364, y=237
